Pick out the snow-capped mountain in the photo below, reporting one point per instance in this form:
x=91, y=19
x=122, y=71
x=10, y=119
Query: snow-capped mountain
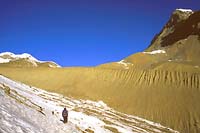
x=178, y=41
x=26, y=109
x=24, y=60
x=182, y=24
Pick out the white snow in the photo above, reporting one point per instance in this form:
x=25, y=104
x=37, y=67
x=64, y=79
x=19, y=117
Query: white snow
x=6, y=53
x=184, y=10
x=156, y=52
x=51, y=66
x=24, y=56
x=2, y=60
x=20, y=56
x=12, y=57
x=125, y=64
x=54, y=66
x=26, y=109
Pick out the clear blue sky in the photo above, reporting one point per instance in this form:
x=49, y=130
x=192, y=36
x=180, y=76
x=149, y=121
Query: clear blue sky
x=83, y=32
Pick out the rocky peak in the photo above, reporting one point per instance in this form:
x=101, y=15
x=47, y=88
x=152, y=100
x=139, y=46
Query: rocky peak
x=179, y=15
x=182, y=24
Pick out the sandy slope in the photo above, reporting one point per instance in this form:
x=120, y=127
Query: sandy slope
x=28, y=109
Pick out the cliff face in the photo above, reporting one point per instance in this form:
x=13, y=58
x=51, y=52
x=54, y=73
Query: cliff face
x=160, y=84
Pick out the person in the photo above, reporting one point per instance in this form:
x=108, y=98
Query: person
x=65, y=115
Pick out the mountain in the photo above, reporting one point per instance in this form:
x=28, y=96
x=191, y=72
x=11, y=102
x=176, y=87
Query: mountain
x=161, y=84
x=178, y=43
x=24, y=60
x=28, y=109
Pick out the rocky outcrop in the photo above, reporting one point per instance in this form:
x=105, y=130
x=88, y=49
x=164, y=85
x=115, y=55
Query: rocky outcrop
x=181, y=25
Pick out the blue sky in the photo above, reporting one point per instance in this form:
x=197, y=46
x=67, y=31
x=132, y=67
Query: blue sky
x=83, y=32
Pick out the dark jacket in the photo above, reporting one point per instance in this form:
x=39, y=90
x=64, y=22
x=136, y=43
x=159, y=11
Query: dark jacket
x=65, y=113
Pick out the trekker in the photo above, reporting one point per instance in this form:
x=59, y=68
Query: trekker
x=65, y=115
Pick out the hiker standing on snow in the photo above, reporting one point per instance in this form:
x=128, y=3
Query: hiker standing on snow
x=65, y=115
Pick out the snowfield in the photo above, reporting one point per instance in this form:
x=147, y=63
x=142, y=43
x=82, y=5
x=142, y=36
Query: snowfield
x=26, y=109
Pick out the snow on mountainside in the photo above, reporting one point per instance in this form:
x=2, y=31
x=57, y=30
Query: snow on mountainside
x=10, y=56
x=125, y=64
x=155, y=52
x=26, y=109
x=7, y=57
x=184, y=10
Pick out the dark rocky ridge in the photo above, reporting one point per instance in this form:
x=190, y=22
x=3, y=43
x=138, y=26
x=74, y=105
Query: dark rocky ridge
x=180, y=26
x=183, y=29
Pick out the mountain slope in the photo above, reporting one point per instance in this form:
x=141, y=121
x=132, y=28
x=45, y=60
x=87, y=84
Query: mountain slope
x=161, y=84
x=24, y=60
x=28, y=109
x=168, y=97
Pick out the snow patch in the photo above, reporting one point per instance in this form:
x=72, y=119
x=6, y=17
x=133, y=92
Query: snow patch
x=125, y=64
x=51, y=66
x=54, y=66
x=12, y=56
x=7, y=53
x=184, y=10
x=156, y=52
x=99, y=104
x=2, y=60
x=26, y=56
